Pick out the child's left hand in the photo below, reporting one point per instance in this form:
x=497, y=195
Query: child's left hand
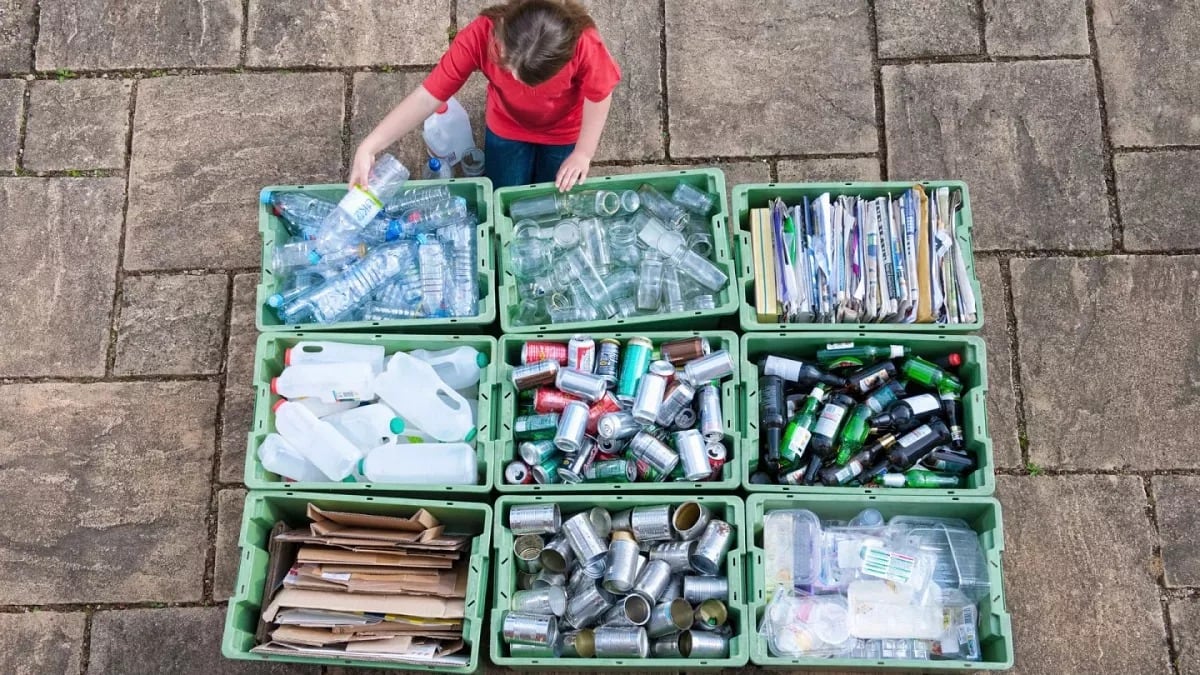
x=574, y=170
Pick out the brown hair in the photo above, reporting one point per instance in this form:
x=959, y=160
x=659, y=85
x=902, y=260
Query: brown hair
x=538, y=37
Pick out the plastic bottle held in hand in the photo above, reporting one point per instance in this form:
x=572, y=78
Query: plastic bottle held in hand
x=329, y=382
x=448, y=132
x=316, y=351
x=361, y=204
x=459, y=367
x=413, y=389
x=368, y=425
x=424, y=463
x=316, y=439
x=437, y=169
x=279, y=457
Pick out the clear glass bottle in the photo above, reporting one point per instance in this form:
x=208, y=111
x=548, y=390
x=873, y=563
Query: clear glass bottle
x=649, y=289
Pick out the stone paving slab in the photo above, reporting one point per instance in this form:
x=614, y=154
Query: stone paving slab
x=1090, y=401
x=104, y=35
x=237, y=413
x=1079, y=575
x=317, y=33
x=229, y=527
x=1001, y=400
x=1178, y=509
x=112, y=505
x=752, y=83
x=77, y=124
x=914, y=28
x=1185, y=624
x=12, y=93
x=171, y=325
x=828, y=170
x=204, y=146
x=17, y=19
x=1036, y=27
x=61, y=238
x=1152, y=189
x=37, y=643
x=1024, y=136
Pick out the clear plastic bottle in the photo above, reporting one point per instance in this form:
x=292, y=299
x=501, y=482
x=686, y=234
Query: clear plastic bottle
x=649, y=289
x=316, y=439
x=463, y=284
x=367, y=425
x=302, y=214
x=413, y=389
x=403, y=292
x=298, y=285
x=671, y=214
x=280, y=458
x=436, y=215
x=459, y=367
x=694, y=200
x=422, y=463
x=361, y=204
x=328, y=382
x=295, y=255
x=432, y=256
x=340, y=294
x=448, y=133
x=414, y=198
x=382, y=230
x=672, y=297
x=437, y=169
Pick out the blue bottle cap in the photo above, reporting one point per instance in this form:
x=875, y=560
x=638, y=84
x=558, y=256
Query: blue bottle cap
x=275, y=300
x=434, y=164
x=264, y=196
x=314, y=257
x=395, y=228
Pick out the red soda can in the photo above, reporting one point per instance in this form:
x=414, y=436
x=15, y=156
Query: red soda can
x=607, y=404
x=517, y=473
x=550, y=400
x=717, y=454
x=535, y=350
x=581, y=353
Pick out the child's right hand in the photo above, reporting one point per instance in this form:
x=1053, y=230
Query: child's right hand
x=360, y=166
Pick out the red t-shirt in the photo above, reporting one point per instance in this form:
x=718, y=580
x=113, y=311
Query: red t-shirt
x=549, y=113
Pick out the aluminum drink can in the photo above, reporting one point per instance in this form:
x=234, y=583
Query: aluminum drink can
x=581, y=353
x=608, y=358
x=639, y=351
x=534, y=351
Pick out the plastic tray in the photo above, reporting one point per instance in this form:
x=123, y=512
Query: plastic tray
x=759, y=195
x=268, y=363
x=709, y=180
x=727, y=508
x=505, y=447
x=973, y=374
x=263, y=509
x=983, y=513
x=477, y=192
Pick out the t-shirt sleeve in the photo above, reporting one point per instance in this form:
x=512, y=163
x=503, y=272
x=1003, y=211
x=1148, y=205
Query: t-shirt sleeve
x=464, y=57
x=598, y=72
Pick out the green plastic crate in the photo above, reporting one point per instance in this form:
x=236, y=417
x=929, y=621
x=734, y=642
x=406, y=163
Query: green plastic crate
x=727, y=508
x=505, y=447
x=759, y=195
x=983, y=514
x=477, y=192
x=268, y=363
x=264, y=509
x=709, y=180
x=803, y=346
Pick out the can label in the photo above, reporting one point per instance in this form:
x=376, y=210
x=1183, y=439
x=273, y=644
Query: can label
x=535, y=351
x=608, y=356
x=581, y=354
x=634, y=364
x=517, y=473
x=607, y=404
x=550, y=400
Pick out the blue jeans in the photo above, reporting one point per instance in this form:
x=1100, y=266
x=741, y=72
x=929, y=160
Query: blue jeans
x=511, y=162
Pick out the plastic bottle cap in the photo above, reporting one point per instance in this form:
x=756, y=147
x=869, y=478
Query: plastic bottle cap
x=287, y=356
x=471, y=435
x=955, y=359
x=275, y=408
x=481, y=359
x=360, y=466
x=434, y=164
x=275, y=385
x=275, y=300
x=313, y=257
x=441, y=109
x=264, y=196
x=396, y=425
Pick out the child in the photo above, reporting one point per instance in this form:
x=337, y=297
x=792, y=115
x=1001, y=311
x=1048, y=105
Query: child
x=550, y=82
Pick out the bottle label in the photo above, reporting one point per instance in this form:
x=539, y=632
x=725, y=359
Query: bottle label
x=830, y=418
x=840, y=345
x=925, y=403
x=874, y=379
x=799, y=440
x=348, y=395
x=897, y=351
x=911, y=438
x=360, y=205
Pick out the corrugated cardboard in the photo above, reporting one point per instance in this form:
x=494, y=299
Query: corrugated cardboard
x=418, y=522
x=408, y=605
x=318, y=554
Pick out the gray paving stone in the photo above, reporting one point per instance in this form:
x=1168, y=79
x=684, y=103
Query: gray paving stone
x=203, y=146
x=171, y=325
x=99, y=34
x=909, y=28
x=753, y=82
x=112, y=505
x=16, y=34
x=77, y=124
x=1001, y=399
x=1091, y=402
x=12, y=93
x=1148, y=62
x=237, y=414
x=1036, y=27
x=1153, y=190
x=1038, y=126
x=59, y=273
x=1177, y=510
x=1185, y=627
x=375, y=94
x=827, y=170
x=182, y=640
x=41, y=642
x=229, y=527
x=315, y=33
x=1079, y=575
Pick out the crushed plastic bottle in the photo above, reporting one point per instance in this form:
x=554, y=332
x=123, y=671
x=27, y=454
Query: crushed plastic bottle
x=339, y=295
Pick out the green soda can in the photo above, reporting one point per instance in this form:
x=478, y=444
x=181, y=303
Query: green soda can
x=547, y=472
x=639, y=351
x=535, y=427
x=611, y=471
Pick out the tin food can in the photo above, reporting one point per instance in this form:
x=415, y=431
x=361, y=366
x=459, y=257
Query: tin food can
x=534, y=519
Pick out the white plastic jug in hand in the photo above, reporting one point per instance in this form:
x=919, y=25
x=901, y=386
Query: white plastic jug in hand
x=425, y=463
x=368, y=426
x=413, y=389
x=322, y=409
x=316, y=439
x=459, y=367
x=311, y=351
x=327, y=381
x=279, y=457
x=448, y=132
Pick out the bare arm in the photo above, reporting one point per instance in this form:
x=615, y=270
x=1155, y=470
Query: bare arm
x=405, y=117
x=575, y=168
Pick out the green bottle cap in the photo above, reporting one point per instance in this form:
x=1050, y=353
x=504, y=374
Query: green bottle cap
x=396, y=425
x=481, y=359
x=471, y=435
